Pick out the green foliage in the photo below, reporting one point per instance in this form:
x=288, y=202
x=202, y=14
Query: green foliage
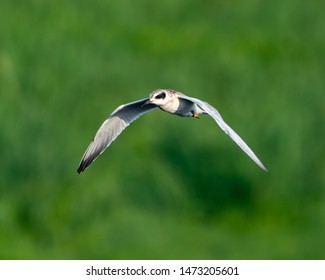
x=170, y=187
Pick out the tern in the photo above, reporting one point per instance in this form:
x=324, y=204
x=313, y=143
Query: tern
x=168, y=100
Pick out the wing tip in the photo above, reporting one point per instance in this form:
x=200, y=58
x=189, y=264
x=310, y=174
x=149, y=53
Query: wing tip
x=81, y=167
x=261, y=165
x=265, y=169
x=84, y=164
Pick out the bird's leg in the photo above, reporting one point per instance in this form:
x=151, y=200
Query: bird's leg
x=195, y=115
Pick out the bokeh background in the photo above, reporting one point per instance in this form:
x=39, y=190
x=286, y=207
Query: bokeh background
x=170, y=187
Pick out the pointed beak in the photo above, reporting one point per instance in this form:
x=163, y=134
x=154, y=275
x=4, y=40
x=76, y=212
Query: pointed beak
x=146, y=103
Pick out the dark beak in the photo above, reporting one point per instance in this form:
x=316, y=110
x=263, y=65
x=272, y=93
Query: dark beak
x=146, y=103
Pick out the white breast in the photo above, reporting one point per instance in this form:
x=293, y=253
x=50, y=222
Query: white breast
x=181, y=107
x=171, y=106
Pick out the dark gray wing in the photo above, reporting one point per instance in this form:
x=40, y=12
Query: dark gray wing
x=112, y=127
x=226, y=128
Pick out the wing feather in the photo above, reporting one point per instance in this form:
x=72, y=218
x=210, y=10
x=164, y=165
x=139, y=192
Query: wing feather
x=111, y=128
x=213, y=112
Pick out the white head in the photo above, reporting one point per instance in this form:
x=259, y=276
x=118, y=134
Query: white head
x=161, y=97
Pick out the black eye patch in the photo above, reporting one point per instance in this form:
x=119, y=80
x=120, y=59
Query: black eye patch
x=161, y=95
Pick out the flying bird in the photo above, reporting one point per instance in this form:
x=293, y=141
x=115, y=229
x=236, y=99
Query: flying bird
x=168, y=100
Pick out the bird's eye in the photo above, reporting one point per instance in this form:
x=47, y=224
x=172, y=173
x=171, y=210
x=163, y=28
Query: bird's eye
x=161, y=95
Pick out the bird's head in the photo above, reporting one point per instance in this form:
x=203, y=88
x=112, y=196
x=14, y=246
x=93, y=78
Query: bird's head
x=160, y=97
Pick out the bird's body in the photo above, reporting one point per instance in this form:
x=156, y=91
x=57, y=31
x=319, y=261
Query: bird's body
x=176, y=106
x=169, y=101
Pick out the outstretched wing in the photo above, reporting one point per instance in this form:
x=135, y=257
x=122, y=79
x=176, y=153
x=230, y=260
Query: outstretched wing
x=111, y=128
x=226, y=128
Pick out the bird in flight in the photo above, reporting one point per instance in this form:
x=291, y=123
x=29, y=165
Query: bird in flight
x=168, y=100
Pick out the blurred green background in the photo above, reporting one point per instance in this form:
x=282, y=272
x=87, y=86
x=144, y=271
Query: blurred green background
x=170, y=187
